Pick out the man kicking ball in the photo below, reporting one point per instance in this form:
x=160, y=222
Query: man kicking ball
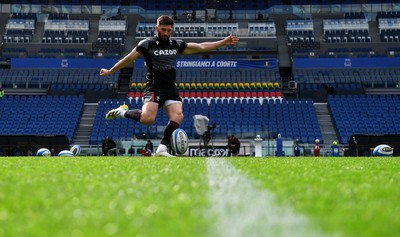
x=160, y=53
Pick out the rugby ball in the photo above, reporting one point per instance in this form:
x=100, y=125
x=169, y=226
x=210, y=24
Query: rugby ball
x=76, y=150
x=382, y=150
x=65, y=153
x=43, y=152
x=179, y=141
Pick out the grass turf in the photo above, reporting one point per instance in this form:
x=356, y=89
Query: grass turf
x=345, y=196
x=102, y=197
x=120, y=196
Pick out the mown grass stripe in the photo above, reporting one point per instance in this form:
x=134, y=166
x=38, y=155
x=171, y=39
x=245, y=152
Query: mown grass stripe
x=243, y=209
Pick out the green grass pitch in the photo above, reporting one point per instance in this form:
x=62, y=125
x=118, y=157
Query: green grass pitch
x=124, y=196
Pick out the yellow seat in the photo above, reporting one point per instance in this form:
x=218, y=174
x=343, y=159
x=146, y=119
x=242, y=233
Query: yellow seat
x=235, y=86
x=133, y=85
x=270, y=85
x=222, y=86
x=246, y=85
x=204, y=86
x=264, y=85
x=211, y=86
x=241, y=86
x=187, y=86
x=193, y=86
x=199, y=86
x=252, y=85
x=228, y=86
x=181, y=86
x=139, y=85
x=258, y=85
x=276, y=85
x=216, y=86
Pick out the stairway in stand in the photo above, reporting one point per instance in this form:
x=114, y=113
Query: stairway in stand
x=82, y=135
x=124, y=82
x=325, y=123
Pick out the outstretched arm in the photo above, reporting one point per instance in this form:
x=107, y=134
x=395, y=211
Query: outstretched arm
x=208, y=46
x=128, y=59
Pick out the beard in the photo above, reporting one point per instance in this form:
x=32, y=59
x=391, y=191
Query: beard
x=162, y=37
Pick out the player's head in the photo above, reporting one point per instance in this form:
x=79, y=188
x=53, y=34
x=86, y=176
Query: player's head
x=164, y=27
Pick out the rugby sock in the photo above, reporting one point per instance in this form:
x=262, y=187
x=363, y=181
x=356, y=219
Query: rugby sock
x=169, y=129
x=134, y=114
x=161, y=147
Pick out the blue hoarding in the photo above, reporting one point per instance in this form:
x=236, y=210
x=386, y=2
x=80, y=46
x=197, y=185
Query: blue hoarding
x=207, y=63
x=62, y=63
x=139, y=63
x=345, y=62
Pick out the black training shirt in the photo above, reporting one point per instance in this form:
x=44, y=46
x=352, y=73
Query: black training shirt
x=160, y=57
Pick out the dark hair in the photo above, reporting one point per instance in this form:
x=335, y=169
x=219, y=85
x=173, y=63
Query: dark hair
x=165, y=20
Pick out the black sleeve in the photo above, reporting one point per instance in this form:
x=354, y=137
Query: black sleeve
x=181, y=45
x=142, y=46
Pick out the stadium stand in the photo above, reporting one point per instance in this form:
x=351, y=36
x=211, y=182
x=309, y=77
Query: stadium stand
x=192, y=29
x=264, y=101
x=293, y=119
x=57, y=79
x=112, y=31
x=364, y=114
x=111, y=36
x=389, y=26
x=20, y=28
x=66, y=31
x=346, y=30
x=262, y=29
x=352, y=78
x=45, y=115
x=300, y=30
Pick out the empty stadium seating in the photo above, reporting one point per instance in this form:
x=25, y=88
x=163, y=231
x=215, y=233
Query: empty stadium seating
x=263, y=28
x=251, y=97
x=346, y=30
x=293, y=119
x=65, y=31
x=111, y=36
x=300, y=30
x=200, y=4
x=20, y=28
x=35, y=115
x=58, y=79
x=353, y=77
x=365, y=114
x=389, y=26
x=192, y=29
x=219, y=83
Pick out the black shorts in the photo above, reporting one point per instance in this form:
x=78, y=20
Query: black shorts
x=161, y=96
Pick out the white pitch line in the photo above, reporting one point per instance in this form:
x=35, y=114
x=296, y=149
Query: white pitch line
x=243, y=209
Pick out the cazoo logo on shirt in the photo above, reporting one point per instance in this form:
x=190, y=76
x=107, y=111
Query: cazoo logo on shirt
x=165, y=52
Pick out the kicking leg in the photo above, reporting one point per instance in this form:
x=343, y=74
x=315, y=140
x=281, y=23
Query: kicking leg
x=145, y=116
x=117, y=113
